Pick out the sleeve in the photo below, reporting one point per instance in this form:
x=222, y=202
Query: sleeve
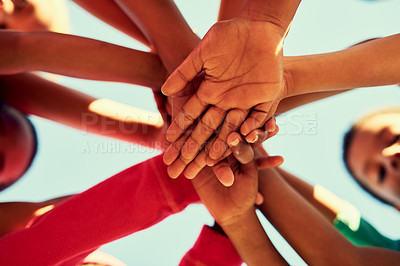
x=211, y=248
x=130, y=201
x=350, y=223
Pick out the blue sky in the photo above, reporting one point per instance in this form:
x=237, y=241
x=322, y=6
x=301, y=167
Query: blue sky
x=310, y=138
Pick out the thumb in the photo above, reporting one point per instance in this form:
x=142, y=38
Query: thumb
x=184, y=74
x=269, y=162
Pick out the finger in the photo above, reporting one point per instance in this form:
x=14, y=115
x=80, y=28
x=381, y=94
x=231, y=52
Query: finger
x=174, y=149
x=185, y=73
x=270, y=126
x=259, y=199
x=194, y=168
x=176, y=168
x=270, y=135
x=212, y=162
x=257, y=118
x=224, y=173
x=172, y=152
x=269, y=162
x=256, y=136
x=232, y=122
x=240, y=149
x=206, y=127
x=192, y=109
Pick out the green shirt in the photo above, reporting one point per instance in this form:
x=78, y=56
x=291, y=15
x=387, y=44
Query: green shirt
x=350, y=223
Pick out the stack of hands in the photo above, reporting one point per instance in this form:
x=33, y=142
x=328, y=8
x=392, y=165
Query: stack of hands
x=218, y=97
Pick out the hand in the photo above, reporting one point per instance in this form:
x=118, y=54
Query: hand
x=227, y=204
x=242, y=150
x=243, y=66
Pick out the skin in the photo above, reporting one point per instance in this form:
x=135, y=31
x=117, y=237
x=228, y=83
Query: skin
x=241, y=76
x=78, y=57
x=285, y=207
x=34, y=15
x=34, y=95
x=374, y=155
x=17, y=215
x=233, y=208
x=308, y=78
x=173, y=40
x=16, y=145
x=109, y=12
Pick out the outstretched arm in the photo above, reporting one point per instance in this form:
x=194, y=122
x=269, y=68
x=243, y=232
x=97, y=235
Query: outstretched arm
x=373, y=63
x=78, y=57
x=130, y=201
x=298, y=221
x=34, y=95
x=109, y=12
x=228, y=9
x=164, y=26
x=313, y=77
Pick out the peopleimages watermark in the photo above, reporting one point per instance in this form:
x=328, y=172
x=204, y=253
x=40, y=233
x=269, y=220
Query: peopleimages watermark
x=112, y=125
x=292, y=123
x=297, y=123
x=113, y=146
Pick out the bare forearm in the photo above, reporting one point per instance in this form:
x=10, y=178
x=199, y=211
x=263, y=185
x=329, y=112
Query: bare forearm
x=87, y=58
x=371, y=256
x=251, y=241
x=109, y=12
x=37, y=96
x=229, y=8
x=165, y=26
x=298, y=222
x=328, y=207
x=374, y=63
x=293, y=102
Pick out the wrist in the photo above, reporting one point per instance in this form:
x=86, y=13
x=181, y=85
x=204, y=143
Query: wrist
x=288, y=77
x=236, y=219
x=279, y=13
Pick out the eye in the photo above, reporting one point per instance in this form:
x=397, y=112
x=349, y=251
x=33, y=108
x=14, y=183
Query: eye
x=382, y=174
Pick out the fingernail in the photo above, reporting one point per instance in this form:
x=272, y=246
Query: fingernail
x=255, y=139
x=270, y=130
x=235, y=142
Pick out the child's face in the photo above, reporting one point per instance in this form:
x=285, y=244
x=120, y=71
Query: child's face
x=374, y=155
x=17, y=145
